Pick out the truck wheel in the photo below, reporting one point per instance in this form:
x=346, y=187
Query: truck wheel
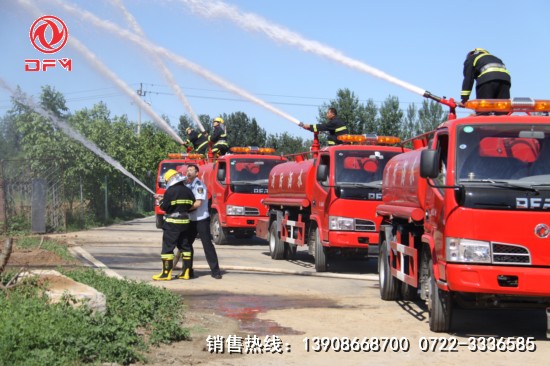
x=159, y=220
x=440, y=307
x=216, y=229
x=276, y=246
x=389, y=285
x=320, y=255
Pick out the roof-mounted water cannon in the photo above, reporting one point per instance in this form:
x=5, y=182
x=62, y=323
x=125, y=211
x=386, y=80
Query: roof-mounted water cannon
x=448, y=102
x=252, y=150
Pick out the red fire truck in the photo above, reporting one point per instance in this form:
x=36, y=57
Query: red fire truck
x=236, y=184
x=326, y=199
x=466, y=215
x=178, y=162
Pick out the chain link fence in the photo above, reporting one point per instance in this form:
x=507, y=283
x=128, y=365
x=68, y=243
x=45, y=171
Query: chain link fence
x=34, y=198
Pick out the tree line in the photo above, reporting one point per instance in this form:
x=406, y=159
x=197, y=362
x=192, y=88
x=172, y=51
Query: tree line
x=25, y=134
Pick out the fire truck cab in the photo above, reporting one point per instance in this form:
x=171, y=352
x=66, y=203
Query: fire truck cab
x=236, y=184
x=326, y=199
x=466, y=217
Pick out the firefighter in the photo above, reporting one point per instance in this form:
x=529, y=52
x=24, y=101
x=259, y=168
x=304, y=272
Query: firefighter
x=200, y=221
x=335, y=127
x=199, y=140
x=176, y=202
x=219, y=138
x=492, y=78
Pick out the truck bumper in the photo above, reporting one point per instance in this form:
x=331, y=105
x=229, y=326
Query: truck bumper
x=240, y=222
x=351, y=239
x=505, y=280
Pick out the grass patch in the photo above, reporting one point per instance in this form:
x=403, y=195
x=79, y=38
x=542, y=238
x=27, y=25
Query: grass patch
x=28, y=242
x=138, y=315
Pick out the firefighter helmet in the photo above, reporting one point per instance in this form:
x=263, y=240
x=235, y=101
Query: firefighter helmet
x=476, y=51
x=170, y=173
x=218, y=119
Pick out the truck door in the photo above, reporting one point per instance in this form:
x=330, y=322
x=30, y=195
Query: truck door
x=321, y=193
x=435, y=197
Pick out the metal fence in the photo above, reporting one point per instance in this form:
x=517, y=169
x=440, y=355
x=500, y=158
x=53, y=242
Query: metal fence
x=31, y=195
x=34, y=197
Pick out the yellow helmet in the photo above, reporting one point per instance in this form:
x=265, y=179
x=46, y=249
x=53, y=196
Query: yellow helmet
x=218, y=119
x=170, y=173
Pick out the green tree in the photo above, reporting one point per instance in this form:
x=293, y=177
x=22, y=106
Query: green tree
x=285, y=144
x=243, y=131
x=410, y=127
x=431, y=115
x=349, y=110
x=389, y=122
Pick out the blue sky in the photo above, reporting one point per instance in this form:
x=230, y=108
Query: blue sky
x=419, y=42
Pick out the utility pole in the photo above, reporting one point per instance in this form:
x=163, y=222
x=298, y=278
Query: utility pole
x=139, y=93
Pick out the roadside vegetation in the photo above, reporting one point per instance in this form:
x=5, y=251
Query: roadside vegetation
x=35, y=332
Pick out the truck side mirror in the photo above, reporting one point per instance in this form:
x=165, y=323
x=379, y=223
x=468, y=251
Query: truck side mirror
x=429, y=163
x=221, y=175
x=322, y=172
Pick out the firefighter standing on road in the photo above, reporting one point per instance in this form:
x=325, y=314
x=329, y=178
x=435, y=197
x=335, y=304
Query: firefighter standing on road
x=176, y=202
x=219, y=138
x=492, y=78
x=200, y=221
x=335, y=127
x=199, y=140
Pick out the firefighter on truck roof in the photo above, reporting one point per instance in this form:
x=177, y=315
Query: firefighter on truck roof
x=492, y=79
x=335, y=127
x=219, y=137
x=198, y=140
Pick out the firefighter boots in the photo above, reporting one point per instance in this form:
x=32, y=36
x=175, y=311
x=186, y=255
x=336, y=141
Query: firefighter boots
x=187, y=262
x=167, y=265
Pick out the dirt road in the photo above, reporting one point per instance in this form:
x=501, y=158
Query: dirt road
x=280, y=312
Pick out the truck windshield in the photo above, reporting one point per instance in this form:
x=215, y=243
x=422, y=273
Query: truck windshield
x=496, y=152
x=359, y=167
x=255, y=171
x=164, y=167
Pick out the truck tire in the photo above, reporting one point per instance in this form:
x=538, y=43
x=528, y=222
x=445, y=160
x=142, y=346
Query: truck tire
x=216, y=229
x=320, y=254
x=440, y=306
x=159, y=220
x=389, y=285
x=276, y=246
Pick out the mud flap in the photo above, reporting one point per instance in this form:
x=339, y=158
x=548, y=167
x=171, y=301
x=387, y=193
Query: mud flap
x=548, y=322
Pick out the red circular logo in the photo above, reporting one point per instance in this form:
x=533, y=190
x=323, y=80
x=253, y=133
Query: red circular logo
x=48, y=34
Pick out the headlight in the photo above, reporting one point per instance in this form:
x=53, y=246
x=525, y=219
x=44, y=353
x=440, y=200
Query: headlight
x=467, y=251
x=341, y=223
x=234, y=210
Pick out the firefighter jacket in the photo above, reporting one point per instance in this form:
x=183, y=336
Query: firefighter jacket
x=177, y=201
x=218, y=137
x=482, y=67
x=199, y=141
x=335, y=127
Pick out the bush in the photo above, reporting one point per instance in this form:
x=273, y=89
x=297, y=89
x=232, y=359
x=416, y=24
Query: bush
x=34, y=332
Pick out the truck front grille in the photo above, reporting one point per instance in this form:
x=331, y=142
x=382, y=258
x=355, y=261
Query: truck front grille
x=364, y=225
x=510, y=254
x=251, y=211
